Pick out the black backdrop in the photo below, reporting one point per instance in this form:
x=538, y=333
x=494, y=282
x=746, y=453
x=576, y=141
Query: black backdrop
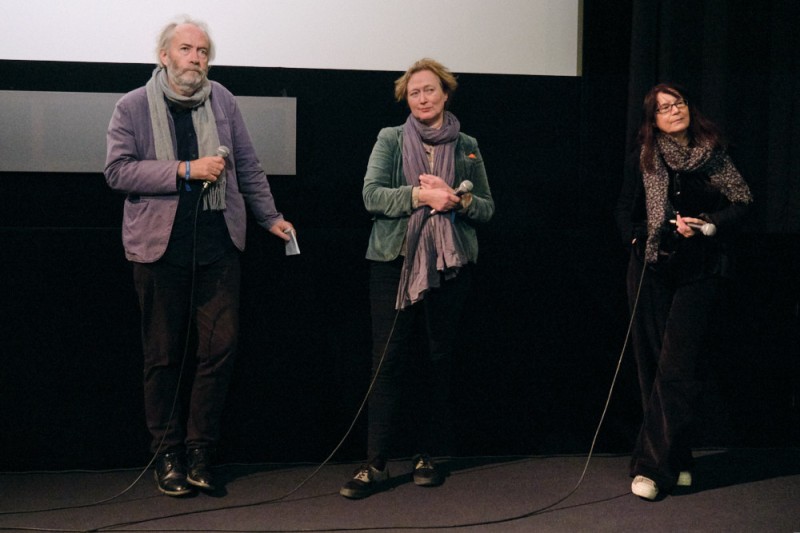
x=547, y=319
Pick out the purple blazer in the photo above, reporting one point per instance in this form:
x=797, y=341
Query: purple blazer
x=151, y=186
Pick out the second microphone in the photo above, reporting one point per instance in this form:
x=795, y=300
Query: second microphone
x=463, y=188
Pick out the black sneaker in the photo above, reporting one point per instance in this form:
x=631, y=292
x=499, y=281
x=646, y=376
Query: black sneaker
x=171, y=474
x=426, y=473
x=367, y=480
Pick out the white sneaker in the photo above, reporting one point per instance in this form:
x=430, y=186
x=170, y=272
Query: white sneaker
x=644, y=487
x=684, y=479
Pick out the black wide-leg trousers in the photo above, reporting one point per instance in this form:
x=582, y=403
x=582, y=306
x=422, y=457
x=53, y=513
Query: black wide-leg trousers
x=669, y=340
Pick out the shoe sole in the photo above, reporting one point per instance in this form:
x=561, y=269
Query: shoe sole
x=428, y=482
x=175, y=493
x=353, y=495
x=200, y=484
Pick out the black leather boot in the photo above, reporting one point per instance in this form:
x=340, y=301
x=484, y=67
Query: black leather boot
x=171, y=474
x=200, y=468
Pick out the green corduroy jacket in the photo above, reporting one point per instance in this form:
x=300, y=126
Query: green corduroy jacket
x=387, y=195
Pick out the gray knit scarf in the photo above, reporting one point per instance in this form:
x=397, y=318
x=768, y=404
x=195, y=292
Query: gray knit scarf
x=205, y=127
x=669, y=153
x=433, y=245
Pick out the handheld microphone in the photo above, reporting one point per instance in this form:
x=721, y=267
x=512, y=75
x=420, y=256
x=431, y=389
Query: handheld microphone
x=463, y=188
x=708, y=229
x=222, y=152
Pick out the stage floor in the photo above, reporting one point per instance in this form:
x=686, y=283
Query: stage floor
x=747, y=490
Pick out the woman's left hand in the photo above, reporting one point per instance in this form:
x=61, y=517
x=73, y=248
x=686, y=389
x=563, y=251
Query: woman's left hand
x=429, y=181
x=437, y=194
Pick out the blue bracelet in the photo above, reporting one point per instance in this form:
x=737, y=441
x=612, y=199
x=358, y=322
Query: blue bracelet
x=187, y=175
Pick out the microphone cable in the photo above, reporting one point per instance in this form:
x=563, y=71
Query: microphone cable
x=175, y=397
x=318, y=468
x=346, y=435
x=590, y=454
x=302, y=483
x=523, y=516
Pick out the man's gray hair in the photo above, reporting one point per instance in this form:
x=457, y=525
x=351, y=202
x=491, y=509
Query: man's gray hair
x=166, y=34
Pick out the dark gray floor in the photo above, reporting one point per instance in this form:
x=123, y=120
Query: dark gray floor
x=735, y=490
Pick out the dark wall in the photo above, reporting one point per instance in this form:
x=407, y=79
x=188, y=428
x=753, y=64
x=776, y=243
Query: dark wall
x=542, y=332
x=73, y=353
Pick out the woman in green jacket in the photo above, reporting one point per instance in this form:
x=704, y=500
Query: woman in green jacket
x=426, y=187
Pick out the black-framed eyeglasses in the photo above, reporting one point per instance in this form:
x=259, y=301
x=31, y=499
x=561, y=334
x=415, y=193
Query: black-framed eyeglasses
x=666, y=108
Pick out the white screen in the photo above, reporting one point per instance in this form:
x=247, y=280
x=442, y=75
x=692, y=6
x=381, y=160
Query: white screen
x=529, y=37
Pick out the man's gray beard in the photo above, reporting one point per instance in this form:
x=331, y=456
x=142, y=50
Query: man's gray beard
x=190, y=86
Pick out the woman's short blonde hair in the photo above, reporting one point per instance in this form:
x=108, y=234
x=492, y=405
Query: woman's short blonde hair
x=447, y=79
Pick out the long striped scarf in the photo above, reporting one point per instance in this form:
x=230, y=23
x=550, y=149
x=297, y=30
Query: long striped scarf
x=433, y=246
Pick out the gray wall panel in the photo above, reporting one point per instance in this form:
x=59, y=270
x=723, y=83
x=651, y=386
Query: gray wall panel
x=45, y=131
